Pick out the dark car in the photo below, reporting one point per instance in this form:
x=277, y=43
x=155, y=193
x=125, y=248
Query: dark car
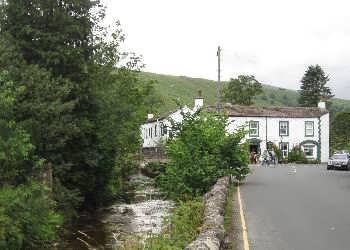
x=339, y=161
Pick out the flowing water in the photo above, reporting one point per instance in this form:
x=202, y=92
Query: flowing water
x=103, y=230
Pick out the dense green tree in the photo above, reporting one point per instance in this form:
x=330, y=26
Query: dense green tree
x=340, y=134
x=78, y=108
x=16, y=150
x=27, y=218
x=200, y=153
x=242, y=90
x=313, y=86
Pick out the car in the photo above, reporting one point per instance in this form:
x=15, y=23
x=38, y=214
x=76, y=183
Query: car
x=339, y=161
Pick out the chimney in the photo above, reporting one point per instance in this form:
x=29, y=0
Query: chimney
x=198, y=101
x=150, y=116
x=322, y=103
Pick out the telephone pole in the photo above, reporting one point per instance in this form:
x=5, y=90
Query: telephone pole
x=218, y=87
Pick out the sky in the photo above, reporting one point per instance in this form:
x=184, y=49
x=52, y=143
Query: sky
x=274, y=40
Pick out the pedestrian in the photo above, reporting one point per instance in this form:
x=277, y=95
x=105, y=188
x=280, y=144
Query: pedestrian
x=273, y=157
x=266, y=159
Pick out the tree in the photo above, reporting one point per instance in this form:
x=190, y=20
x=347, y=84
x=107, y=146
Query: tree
x=27, y=218
x=340, y=134
x=200, y=153
x=242, y=90
x=313, y=86
x=73, y=94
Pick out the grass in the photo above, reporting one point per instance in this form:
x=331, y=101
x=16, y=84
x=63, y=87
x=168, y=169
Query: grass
x=229, y=209
x=183, y=88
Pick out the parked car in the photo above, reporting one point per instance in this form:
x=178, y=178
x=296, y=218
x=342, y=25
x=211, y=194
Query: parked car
x=339, y=161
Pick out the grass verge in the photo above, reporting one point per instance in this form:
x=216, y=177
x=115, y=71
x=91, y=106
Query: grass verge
x=229, y=208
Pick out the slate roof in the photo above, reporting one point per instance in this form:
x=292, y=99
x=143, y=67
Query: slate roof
x=283, y=112
x=251, y=111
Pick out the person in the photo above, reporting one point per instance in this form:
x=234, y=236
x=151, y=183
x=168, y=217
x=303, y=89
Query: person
x=255, y=158
x=266, y=158
x=273, y=157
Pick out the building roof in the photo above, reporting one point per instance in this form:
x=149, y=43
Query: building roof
x=282, y=112
x=251, y=111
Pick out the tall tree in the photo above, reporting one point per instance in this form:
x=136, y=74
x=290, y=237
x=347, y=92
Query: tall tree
x=242, y=90
x=65, y=62
x=313, y=86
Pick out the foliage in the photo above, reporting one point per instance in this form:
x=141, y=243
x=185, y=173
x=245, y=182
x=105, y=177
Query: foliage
x=200, y=153
x=181, y=228
x=340, y=134
x=153, y=169
x=27, y=218
x=16, y=150
x=242, y=90
x=77, y=108
x=170, y=88
x=297, y=155
x=313, y=86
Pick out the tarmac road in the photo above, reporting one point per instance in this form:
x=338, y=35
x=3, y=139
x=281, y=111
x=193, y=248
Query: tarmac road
x=300, y=207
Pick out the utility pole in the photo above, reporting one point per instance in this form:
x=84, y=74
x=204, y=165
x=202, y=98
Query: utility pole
x=218, y=87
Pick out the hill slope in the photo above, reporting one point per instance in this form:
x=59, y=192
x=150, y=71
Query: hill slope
x=185, y=89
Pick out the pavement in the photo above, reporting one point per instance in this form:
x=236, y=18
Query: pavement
x=297, y=207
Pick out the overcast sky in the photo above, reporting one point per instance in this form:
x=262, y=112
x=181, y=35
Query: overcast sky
x=273, y=40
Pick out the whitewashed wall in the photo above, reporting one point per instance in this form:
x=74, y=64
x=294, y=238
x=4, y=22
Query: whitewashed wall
x=296, y=131
x=324, y=137
x=295, y=137
x=156, y=138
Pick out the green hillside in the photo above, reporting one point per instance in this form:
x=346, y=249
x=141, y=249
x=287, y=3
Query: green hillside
x=184, y=89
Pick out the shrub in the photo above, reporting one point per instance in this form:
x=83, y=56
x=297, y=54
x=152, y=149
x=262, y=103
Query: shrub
x=200, y=153
x=153, y=169
x=27, y=218
x=297, y=155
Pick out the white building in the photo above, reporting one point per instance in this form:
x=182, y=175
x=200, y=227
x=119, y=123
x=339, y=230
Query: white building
x=285, y=127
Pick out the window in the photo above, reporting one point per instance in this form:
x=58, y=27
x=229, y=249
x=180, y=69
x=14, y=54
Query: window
x=163, y=129
x=253, y=128
x=284, y=147
x=284, y=128
x=155, y=130
x=309, y=151
x=309, y=128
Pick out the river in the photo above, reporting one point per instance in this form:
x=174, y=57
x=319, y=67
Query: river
x=105, y=229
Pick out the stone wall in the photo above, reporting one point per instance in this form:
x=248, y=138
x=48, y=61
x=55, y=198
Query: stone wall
x=212, y=232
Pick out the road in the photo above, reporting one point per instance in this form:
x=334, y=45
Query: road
x=302, y=207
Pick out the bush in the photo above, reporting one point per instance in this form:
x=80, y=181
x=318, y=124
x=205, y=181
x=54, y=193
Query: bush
x=153, y=169
x=27, y=218
x=200, y=153
x=297, y=155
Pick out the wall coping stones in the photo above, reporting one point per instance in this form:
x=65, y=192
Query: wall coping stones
x=212, y=232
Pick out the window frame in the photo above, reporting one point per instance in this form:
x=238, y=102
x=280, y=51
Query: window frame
x=313, y=146
x=280, y=147
x=279, y=128
x=257, y=129
x=313, y=128
x=155, y=130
